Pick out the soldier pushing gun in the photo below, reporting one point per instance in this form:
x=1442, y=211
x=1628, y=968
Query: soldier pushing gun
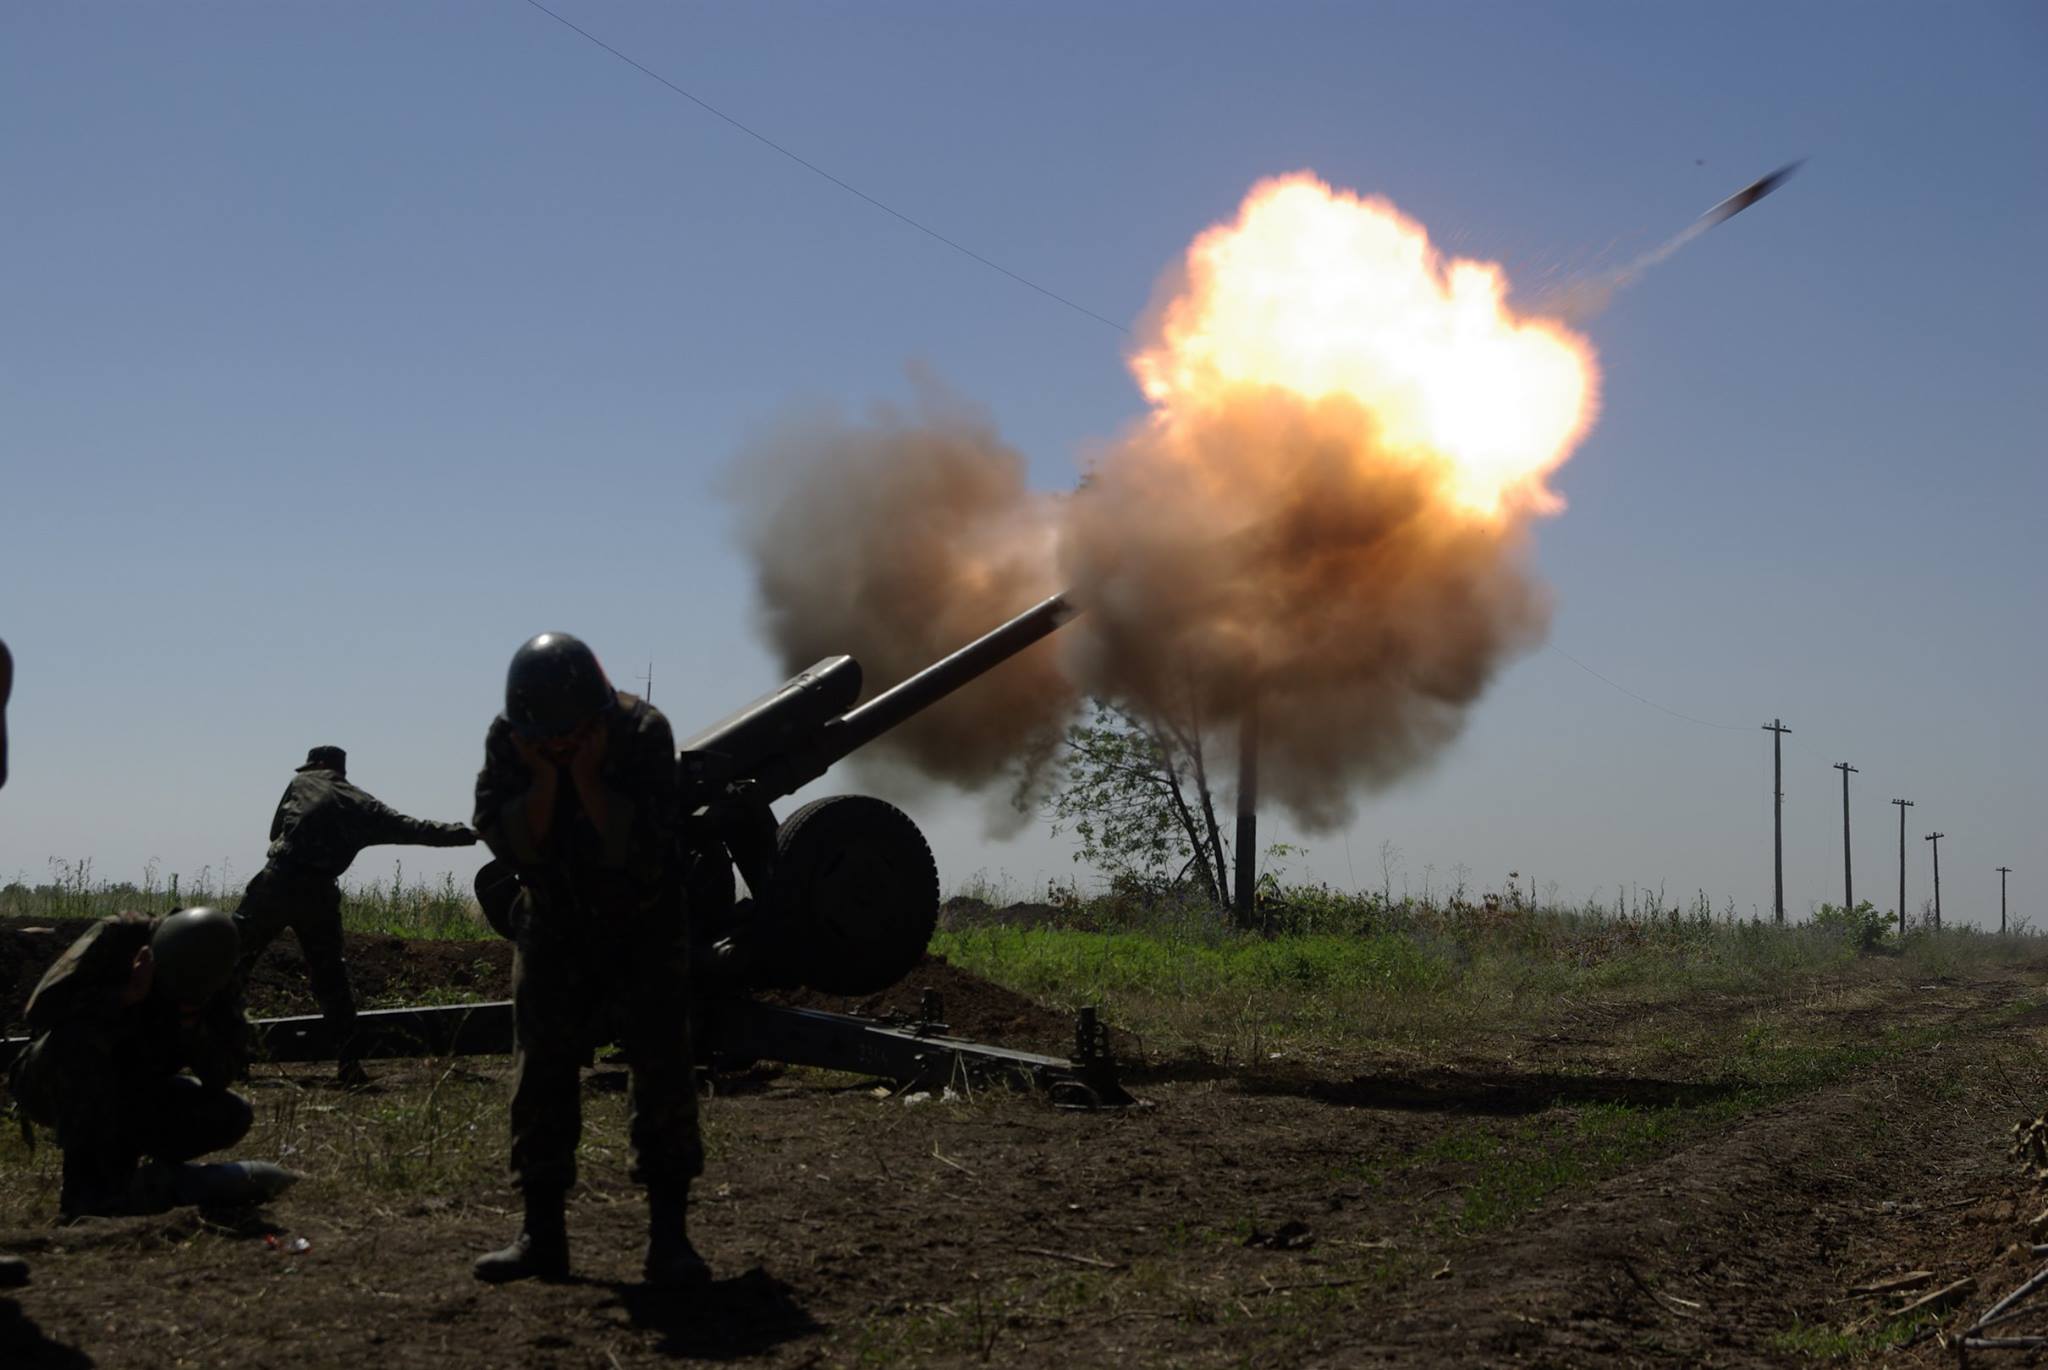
x=321, y=825
x=578, y=795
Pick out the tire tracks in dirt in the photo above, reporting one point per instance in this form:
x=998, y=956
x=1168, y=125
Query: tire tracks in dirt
x=1715, y=1254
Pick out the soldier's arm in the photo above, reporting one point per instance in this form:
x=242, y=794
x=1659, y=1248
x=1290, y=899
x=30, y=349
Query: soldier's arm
x=377, y=824
x=218, y=1047
x=514, y=810
x=80, y=1096
x=638, y=790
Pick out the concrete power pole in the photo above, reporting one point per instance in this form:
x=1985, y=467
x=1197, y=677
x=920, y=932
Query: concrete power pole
x=1776, y=727
x=1935, y=838
x=1904, y=804
x=2003, y=871
x=1848, y=879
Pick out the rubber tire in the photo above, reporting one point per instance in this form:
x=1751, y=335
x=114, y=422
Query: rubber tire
x=856, y=893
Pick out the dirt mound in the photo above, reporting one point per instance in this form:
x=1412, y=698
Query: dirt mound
x=972, y=1007
x=963, y=911
x=384, y=970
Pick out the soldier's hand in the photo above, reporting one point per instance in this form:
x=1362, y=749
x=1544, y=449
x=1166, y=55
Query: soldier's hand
x=535, y=759
x=141, y=975
x=468, y=836
x=590, y=751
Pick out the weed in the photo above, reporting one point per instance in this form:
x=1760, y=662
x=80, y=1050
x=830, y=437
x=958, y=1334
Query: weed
x=1819, y=1342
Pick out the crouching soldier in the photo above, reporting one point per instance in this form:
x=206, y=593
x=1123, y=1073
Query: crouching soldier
x=322, y=823
x=114, y=1025
x=578, y=793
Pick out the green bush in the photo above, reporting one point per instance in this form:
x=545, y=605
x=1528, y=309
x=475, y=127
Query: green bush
x=1864, y=927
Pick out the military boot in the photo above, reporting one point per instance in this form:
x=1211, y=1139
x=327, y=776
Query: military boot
x=540, y=1251
x=90, y=1191
x=13, y=1272
x=672, y=1262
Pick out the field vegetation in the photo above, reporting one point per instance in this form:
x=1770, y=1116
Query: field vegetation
x=1366, y=1105
x=1323, y=968
x=397, y=906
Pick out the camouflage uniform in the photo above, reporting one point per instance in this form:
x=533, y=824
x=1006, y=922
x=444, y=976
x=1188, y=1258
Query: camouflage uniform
x=13, y=1270
x=107, y=1075
x=6, y=688
x=601, y=947
x=320, y=826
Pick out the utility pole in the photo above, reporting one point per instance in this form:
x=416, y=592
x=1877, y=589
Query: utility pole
x=1904, y=804
x=1848, y=880
x=1776, y=727
x=1935, y=838
x=2002, y=871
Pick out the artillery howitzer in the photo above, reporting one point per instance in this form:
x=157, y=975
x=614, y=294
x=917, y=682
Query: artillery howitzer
x=843, y=899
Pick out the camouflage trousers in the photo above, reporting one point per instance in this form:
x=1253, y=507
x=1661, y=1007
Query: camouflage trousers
x=580, y=980
x=310, y=905
x=107, y=1118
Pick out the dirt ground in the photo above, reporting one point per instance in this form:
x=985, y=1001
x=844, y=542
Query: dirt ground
x=1615, y=1187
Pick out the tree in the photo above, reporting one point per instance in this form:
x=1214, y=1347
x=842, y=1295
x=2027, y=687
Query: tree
x=1137, y=794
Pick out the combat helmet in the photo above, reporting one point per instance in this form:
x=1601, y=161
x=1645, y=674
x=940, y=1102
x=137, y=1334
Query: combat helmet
x=195, y=951
x=554, y=685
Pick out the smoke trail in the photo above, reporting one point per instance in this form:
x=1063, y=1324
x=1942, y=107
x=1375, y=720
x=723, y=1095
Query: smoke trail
x=1580, y=301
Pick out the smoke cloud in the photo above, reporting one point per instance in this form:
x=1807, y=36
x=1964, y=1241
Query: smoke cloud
x=1321, y=521
x=1327, y=593
x=896, y=539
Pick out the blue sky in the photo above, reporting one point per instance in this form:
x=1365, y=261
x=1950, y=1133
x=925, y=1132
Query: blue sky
x=347, y=346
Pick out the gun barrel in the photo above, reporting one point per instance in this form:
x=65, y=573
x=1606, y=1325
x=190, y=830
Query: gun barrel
x=899, y=703
x=792, y=735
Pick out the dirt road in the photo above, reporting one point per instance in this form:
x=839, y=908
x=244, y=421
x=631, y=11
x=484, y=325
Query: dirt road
x=1695, y=1182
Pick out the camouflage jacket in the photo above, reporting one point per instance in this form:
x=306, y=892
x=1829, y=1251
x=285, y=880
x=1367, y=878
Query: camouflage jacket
x=323, y=821
x=6, y=688
x=635, y=855
x=82, y=990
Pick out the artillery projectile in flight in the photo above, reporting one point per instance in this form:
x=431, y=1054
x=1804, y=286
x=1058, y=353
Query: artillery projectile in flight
x=1749, y=194
x=1585, y=299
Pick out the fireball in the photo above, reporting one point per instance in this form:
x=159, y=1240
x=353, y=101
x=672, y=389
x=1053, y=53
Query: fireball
x=1321, y=293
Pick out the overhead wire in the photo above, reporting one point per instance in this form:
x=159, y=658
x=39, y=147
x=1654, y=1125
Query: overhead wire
x=1677, y=713
x=1640, y=699
x=1616, y=685
x=819, y=171
x=997, y=267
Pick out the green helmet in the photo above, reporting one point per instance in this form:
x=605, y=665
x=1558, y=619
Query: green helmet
x=195, y=951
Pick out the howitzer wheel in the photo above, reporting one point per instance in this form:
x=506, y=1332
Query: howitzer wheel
x=857, y=891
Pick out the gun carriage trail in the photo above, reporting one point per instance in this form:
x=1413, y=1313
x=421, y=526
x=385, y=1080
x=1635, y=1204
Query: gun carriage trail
x=1707, y=1177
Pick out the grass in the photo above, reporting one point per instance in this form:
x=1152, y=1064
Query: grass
x=1513, y=1173
x=1329, y=969
x=443, y=910
x=416, y=1136
x=1819, y=1342
x=1244, y=997
x=1741, y=1014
